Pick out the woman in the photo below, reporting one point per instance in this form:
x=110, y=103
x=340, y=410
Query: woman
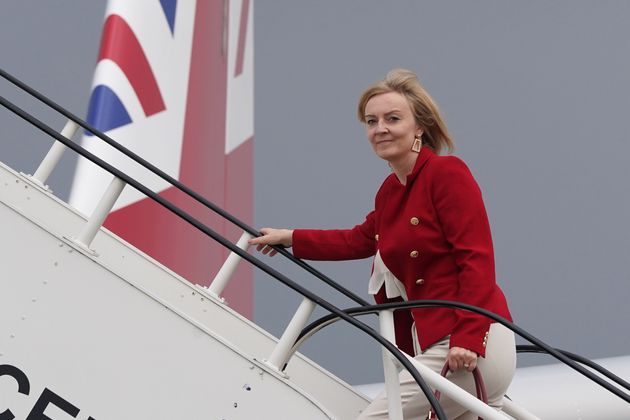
x=431, y=239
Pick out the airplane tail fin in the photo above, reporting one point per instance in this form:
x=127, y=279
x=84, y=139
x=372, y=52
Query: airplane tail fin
x=174, y=84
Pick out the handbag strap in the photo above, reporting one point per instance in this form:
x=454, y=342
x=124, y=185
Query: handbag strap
x=480, y=388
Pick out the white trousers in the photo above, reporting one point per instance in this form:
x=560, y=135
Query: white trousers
x=497, y=370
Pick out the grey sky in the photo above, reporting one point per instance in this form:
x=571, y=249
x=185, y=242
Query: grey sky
x=536, y=95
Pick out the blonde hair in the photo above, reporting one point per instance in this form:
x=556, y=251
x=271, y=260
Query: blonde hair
x=425, y=110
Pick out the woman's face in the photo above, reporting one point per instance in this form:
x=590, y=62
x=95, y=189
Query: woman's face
x=390, y=125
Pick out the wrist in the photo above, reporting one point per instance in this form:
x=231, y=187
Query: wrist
x=289, y=238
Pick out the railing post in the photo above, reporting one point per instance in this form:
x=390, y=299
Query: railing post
x=53, y=156
x=390, y=368
x=100, y=213
x=280, y=354
x=229, y=267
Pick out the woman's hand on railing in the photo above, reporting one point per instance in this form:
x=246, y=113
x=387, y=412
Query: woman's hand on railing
x=271, y=236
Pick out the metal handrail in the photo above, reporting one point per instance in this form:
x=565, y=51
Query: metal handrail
x=402, y=359
x=177, y=184
x=565, y=358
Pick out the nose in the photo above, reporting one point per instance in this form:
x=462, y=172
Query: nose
x=381, y=127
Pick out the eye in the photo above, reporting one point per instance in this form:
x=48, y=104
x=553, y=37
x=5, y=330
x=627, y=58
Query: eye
x=393, y=118
x=370, y=121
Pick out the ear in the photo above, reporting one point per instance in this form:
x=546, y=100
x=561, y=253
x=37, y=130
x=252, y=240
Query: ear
x=419, y=130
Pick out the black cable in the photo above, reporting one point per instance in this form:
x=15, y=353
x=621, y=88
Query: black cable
x=318, y=324
x=227, y=244
x=176, y=183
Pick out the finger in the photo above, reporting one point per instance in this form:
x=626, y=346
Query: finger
x=470, y=360
x=257, y=240
x=268, y=250
x=465, y=363
x=455, y=360
x=470, y=365
x=452, y=364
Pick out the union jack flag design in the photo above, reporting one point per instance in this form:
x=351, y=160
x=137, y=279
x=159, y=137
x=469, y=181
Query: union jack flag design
x=174, y=83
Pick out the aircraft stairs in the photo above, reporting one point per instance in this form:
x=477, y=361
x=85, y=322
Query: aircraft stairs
x=93, y=328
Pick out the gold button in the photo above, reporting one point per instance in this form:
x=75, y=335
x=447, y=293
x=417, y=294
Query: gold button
x=414, y=254
x=414, y=221
x=420, y=281
x=376, y=237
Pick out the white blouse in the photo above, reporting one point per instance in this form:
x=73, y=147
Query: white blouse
x=380, y=275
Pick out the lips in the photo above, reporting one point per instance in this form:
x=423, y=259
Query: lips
x=383, y=142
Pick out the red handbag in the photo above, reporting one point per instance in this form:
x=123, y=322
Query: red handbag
x=479, y=385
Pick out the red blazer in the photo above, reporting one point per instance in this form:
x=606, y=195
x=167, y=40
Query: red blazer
x=434, y=236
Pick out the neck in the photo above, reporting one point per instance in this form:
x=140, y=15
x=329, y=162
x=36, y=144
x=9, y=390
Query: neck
x=404, y=166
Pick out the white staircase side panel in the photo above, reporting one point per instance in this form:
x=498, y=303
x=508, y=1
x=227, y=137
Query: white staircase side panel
x=120, y=336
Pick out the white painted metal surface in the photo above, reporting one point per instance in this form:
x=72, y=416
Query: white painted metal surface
x=54, y=154
x=516, y=411
x=228, y=268
x=282, y=350
x=119, y=336
x=390, y=366
x=104, y=206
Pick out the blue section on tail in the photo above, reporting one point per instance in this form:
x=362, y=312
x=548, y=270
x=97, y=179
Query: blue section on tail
x=106, y=110
x=169, y=7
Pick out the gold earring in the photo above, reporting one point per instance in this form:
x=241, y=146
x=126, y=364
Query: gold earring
x=417, y=144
